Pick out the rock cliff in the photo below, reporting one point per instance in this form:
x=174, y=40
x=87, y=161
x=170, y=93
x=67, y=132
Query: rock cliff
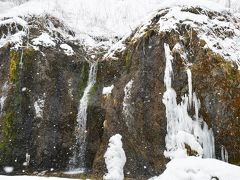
x=44, y=71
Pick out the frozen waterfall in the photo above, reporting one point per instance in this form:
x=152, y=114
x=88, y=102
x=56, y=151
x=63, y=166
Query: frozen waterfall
x=186, y=134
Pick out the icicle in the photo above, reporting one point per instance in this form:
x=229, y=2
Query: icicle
x=189, y=74
x=182, y=129
x=77, y=162
x=224, y=154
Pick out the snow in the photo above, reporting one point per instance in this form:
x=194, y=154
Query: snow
x=67, y=49
x=102, y=23
x=127, y=108
x=104, y=19
x=44, y=40
x=24, y=89
x=182, y=129
x=3, y=96
x=194, y=168
x=8, y=169
x=206, y=4
x=115, y=159
x=221, y=34
x=39, y=106
x=107, y=90
x=4, y=6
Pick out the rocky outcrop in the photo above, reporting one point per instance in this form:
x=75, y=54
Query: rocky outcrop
x=215, y=81
x=42, y=82
x=44, y=85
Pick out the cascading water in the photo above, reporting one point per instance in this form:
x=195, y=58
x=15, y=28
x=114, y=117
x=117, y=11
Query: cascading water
x=77, y=162
x=184, y=131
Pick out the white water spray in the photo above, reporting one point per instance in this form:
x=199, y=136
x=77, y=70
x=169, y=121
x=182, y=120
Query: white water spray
x=77, y=162
x=182, y=129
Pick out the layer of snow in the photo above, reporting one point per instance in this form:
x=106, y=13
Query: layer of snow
x=44, y=40
x=107, y=90
x=221, y=35
x=5, y=6
x=206, y=4
x=99, y=22
x=194, y=168
x=115, y=159
x=102, y=19
x=182, y=128
x=67, y=49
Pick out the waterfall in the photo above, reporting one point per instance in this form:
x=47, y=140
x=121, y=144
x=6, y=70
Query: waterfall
x=186, y=134
x=77, y=162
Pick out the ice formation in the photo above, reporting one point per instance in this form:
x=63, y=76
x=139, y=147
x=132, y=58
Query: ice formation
x=184, y=132
x=77, y=162
x=39, y=106
x=224, y=154
x=4, y=96
x=127, y=108
x=115, y=159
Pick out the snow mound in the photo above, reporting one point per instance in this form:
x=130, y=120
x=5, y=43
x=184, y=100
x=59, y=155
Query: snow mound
x=115, y=159
x=44, y=40
x=195, y=168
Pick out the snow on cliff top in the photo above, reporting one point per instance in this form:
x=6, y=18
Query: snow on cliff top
x=104, y=22
x=99, y=18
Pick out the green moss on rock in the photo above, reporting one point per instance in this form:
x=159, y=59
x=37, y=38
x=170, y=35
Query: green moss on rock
x=14, y=62
x=83, y=80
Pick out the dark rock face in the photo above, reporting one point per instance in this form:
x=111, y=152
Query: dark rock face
x=215, y=81
x=59, y=80
x=50, y=77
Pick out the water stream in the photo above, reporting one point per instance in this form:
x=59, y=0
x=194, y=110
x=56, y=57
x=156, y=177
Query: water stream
x=77, y=162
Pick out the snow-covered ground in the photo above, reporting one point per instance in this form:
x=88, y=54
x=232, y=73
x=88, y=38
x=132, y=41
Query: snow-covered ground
x=194, y=168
